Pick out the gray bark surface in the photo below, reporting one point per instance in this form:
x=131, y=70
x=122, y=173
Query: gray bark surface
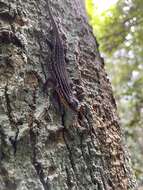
x=38, y=150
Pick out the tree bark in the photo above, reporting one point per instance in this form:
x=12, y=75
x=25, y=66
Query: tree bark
x=39, y=148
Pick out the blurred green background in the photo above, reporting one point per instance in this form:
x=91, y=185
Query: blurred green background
x=118, y=26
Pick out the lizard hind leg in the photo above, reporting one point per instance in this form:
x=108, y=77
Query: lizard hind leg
x=58, y=106
x=50, y=44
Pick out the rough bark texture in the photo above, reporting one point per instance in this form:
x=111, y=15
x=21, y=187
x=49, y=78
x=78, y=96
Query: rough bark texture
x=39, y=148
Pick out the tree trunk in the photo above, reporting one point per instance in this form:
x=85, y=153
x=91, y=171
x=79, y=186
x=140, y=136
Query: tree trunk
x=40, y=148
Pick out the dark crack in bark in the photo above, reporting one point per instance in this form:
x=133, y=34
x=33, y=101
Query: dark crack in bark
x=12, y=121
x=14, y=141
x=2, y=144
x=70, y=156
x=33, y=140
x=71, y=159
x=9, y=108
x=37, y=165
x=69, y=182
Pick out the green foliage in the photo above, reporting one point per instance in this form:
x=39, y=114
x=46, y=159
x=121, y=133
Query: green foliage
x=119, y=31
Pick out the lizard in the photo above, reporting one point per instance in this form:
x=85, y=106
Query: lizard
x=58, y=68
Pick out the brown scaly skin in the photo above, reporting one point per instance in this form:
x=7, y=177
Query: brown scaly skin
x=58, y=69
